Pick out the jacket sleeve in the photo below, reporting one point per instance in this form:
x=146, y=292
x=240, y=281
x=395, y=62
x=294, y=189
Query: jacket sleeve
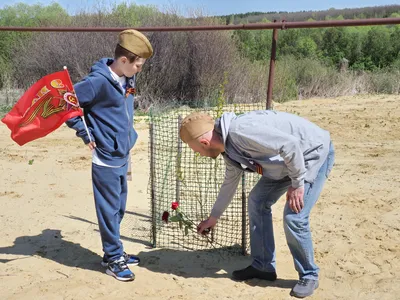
x=227, y=190
x=259, y=141
x=85, y=94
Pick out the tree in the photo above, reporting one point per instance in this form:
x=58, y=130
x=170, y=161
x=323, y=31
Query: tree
x=26, y=16
x=307, y=47
x=335, y=45
x=395, y=42
x=377, y=46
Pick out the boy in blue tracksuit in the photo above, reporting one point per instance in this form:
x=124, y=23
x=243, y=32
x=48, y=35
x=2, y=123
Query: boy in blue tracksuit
x=107, y=96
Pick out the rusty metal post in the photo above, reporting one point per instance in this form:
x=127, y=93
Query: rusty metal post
x=153, y=192
x=272, y=68
x=178, y=163
x=244, y=216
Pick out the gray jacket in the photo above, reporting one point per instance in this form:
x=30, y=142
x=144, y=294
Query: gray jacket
x=273, y=144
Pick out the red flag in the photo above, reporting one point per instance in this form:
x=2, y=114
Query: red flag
x=43, y=108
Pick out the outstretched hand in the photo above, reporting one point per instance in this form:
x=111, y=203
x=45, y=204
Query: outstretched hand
x=295, y=197
x=205, y=226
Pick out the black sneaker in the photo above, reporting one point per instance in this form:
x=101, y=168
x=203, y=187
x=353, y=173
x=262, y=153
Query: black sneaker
x=251, y=272
x=119, y=269
x=129, y=259
x=304, y=288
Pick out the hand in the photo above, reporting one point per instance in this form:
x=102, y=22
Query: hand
x=205, y=226
x=295, y=197
x=92, y=145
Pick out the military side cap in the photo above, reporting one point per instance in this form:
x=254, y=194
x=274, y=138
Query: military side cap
x=135, y=42
x=195, y=125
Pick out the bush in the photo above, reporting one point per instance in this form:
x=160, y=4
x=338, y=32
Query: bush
x=385, y=82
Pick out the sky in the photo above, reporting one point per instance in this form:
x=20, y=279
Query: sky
x=219, y=7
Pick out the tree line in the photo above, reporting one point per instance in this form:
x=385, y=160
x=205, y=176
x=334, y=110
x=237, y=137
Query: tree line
x=365, y=48
x=384, y=11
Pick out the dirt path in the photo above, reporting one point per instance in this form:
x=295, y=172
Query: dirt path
x=50, y=246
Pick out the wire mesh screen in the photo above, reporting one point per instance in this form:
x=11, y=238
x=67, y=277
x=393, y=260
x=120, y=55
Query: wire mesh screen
x=180, y=175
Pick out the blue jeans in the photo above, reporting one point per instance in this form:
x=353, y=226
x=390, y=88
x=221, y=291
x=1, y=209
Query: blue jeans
x=110, y=190
x=297, y=227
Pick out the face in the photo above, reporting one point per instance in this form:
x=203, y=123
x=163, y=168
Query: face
x=130, y=69
x=204, y=148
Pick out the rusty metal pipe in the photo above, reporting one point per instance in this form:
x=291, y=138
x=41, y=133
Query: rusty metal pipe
x=285, y=25
x=272, y=68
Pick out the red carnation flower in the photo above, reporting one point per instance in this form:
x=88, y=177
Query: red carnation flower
x=174, y=205
x=165, y=216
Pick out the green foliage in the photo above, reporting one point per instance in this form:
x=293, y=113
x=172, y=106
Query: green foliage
x=285, y=87
x=307, y=47
x=377, y=47
x=181, y=218
x=254, y=44
x=335, y=43
x=366, y=47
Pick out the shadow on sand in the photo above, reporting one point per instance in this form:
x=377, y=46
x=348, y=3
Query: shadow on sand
x=202, y=263
x=50, y=245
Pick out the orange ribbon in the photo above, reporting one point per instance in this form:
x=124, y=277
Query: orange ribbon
x=130, y=91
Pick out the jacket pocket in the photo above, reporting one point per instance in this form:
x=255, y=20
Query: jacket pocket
x=121, y=144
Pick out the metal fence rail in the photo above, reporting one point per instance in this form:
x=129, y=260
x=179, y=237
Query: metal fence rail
x=256, y=26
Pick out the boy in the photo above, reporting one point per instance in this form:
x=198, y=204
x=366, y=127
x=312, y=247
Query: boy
x=106, y=95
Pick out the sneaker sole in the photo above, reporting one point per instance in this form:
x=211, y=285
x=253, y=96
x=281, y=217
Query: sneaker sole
x=241, y=280
x=108, y=272
x=104, y=264
x=303, y=296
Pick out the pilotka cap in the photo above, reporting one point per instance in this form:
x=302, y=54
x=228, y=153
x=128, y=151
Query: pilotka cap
x=135, y=42
x=195, y=125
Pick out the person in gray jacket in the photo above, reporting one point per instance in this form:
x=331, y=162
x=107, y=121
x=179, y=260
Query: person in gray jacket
x=292, y=155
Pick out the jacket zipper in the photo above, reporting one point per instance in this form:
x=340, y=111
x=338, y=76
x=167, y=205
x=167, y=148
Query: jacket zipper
x=127, y=112
x=129, y=123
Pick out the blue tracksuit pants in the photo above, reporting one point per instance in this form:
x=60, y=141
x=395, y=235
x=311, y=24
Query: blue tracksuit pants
x=110, y=193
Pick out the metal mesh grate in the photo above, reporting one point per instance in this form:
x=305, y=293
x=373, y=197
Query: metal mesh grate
x=178, y=174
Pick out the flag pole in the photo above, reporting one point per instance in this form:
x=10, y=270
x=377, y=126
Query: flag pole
x=83, y=117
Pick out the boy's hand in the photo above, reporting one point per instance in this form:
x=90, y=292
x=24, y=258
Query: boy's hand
x=92, y=145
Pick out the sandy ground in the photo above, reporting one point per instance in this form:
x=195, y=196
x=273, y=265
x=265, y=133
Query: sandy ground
x=50, y=246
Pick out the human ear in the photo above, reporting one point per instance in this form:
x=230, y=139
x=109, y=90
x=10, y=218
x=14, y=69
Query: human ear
x=205, y=142
x=123, y=59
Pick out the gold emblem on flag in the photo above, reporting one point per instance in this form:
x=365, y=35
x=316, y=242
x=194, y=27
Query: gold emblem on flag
x=70, y=98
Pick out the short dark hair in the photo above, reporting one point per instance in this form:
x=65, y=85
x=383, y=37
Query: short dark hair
x=121, y=51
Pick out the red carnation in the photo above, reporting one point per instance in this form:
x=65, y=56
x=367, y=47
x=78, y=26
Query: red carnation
x=165, y=216
x=174, y=205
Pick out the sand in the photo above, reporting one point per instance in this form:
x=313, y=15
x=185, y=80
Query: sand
x=50, y=246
